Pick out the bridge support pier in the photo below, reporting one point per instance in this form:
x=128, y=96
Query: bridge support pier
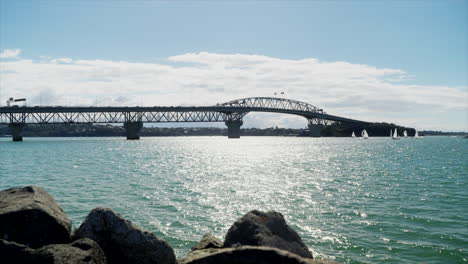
x=234, y=128
x=315, y=130
x=17, y=131
x=133, y=129
x=316, y=126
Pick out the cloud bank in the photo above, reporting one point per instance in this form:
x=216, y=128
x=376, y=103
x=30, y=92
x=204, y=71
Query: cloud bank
x=9, y=54
x=341, y=88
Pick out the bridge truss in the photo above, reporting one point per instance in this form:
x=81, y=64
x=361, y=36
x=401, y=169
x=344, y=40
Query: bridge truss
x=273, y=103
x=47, y=115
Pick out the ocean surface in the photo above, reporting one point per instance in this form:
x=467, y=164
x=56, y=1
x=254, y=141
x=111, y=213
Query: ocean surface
x=351, y=200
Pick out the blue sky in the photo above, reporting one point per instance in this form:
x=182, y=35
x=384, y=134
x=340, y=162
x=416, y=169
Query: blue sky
x=427, y=40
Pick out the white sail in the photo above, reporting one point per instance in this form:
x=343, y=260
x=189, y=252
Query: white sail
x=416, y=135
x=364, y=134
x=405, y=134
x=395, y=134
x=353, y=135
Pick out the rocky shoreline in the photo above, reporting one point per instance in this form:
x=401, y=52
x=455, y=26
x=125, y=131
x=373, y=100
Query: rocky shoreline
x=35, y=229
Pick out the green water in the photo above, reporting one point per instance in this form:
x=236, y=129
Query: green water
x=355, y=201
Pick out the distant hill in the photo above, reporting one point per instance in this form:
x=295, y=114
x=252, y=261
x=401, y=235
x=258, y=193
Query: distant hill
x=98, y=130
x=441, y=133
x=374, y=130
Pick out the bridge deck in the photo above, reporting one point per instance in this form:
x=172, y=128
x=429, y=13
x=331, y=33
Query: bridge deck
x=156, y=114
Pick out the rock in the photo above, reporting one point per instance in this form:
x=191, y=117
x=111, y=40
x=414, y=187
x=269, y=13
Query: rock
x=31, y=216
x=121, y=241
x=11, y=252
x=208, y=241
x=78, y=252
x=265, y=229
x=247, y=255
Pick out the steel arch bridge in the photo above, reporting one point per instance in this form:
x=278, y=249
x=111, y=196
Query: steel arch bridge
x=133, y=118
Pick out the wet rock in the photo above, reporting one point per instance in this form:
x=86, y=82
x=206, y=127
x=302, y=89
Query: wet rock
x=265, y=229
x=208, y=241
x=83, y=251
x=247, y=255
x=123, y=242
x=31, y=216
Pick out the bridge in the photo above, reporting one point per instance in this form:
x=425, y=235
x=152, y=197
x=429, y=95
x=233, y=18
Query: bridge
x=231, y=113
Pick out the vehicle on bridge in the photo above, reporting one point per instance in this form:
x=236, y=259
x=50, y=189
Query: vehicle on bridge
x=11, y=102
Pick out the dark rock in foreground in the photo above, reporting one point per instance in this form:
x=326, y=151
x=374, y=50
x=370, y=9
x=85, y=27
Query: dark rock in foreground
x=11, y=252
x=208, y=241
x=122, y=242
x=31, y=216
x=34, y=229
x=80, y=251
x=265, y=229
x=247, y=255
x=83, y=251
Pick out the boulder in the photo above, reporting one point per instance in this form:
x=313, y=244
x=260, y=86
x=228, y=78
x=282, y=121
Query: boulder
x=123, y=242
x=247, y=255
x=80, y=251
x=265, y=229
x=12, y=252
x=208, y=241
x=31, y=216
x=83, y=251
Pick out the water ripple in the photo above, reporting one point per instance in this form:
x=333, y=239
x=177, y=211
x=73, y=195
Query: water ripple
x=354, y=201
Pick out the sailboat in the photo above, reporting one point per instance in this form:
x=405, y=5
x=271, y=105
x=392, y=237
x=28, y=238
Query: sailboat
x=364, y=134
x=416, y=135
x=395, y=134
x=353, y=135
x=405, y=134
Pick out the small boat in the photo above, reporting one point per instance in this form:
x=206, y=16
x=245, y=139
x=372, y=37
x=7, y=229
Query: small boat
x=405, y=134
x=416, y=135
x=395, y=134
x=364, y=134
x=353, y=135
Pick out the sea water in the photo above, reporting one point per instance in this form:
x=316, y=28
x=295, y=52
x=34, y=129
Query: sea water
x=351, y=200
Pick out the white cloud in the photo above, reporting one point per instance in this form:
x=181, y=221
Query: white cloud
x=341, y=88
x=9, y=53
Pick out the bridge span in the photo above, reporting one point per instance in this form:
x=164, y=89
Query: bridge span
x=231, y=113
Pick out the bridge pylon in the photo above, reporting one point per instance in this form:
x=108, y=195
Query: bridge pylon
x=316, y=125
x=233, y=126
x=17, y=130
x=132, y=129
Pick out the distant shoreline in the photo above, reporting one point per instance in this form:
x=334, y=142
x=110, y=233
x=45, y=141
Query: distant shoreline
x=99, y=130
x=88, y=130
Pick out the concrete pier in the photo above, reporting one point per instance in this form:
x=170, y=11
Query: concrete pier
x=133, y=129
x=17, y=131
x=315, y=130
x=234, y=128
